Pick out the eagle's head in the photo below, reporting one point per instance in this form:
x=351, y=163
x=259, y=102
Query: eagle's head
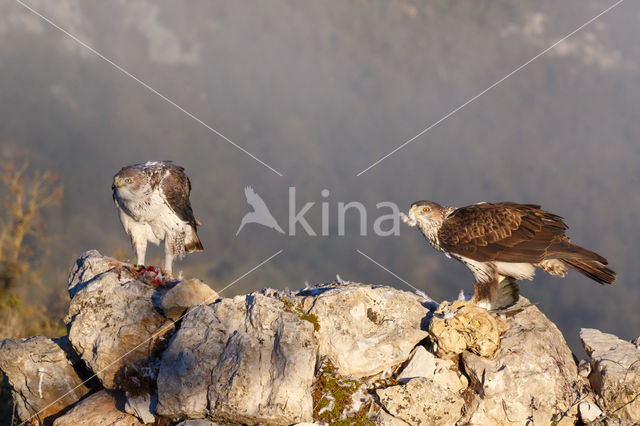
x=428, y=217
x=426, y=214
x=127, y=183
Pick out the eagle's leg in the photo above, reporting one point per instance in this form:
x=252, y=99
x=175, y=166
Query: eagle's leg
x=485, y=292
x=168, y=258
x=140, y=247
x=497, y=293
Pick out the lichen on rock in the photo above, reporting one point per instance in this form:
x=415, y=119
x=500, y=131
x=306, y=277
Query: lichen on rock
x=460, y=326
x=365, y=329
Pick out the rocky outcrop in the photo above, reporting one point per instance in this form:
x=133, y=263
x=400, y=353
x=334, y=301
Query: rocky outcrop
x=365, y=329
x=99, y=408
x=42, y=378
x=531, y=377
x=173, y=352
x=112, y=319
x=184, y=295
x=245, y=359
x=422, y=401
x=615, y=373
x=442, y=371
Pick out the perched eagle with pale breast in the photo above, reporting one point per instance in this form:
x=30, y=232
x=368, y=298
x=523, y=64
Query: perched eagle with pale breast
x=153, y=202
x=498, y=241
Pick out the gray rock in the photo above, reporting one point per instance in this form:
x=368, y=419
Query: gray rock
x=615, y=373
x=422, y=402
x=589, y=411
x=186, y=294
x=112, y=320
x=140, y=406
x=252, y=359
x=97, y=409
x=365, y=329
x=584, y=368
x=385, y=419
x=531, y=378
x=88, y=266
x=240, y=360
x=42, y=379
x=442, y=371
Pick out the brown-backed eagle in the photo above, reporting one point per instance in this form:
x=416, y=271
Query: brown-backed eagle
x=153, y=203
x=504, y=240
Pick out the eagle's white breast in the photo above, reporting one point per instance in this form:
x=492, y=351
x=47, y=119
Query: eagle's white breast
x=149, y=217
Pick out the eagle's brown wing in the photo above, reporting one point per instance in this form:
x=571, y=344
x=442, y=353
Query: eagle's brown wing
x=508, y=232
x=176, y=188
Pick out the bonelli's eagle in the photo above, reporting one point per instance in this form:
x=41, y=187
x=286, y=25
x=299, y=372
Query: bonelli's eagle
x=504, y=240
x=153, y=203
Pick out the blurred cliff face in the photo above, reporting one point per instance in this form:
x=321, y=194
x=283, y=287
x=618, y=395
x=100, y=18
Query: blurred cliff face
x=319, y=91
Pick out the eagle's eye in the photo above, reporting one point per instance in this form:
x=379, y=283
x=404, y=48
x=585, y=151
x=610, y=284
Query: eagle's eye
x=128, y=180
x=425, y=210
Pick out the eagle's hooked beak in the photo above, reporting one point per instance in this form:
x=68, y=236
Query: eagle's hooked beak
x=411, y=218
x=115, y=184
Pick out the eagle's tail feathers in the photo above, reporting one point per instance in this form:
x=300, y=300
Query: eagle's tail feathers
x=192, y=242
x=567, y=250
x=593, y=269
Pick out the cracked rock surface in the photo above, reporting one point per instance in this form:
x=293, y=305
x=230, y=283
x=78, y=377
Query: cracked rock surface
x=112, y=319
x=615, y=373
x=42, y=379
x=244, y=359
x=532, y=376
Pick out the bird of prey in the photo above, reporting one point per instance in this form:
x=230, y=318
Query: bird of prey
x=260, y=213
x=504, y=240
x=153, y=202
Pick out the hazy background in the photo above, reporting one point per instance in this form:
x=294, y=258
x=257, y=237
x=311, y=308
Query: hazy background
x=319, y=90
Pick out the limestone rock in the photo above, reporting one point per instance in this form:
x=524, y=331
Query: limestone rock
x=460, y=326
x=584, y=368
x=422, y=402
x=365, y=329
x=264, y=358
x=441, y=371
x=615, y=373
x=41, y=377
x=197, y=422
x=240, y=360
x=97, y=409
x=141, y=407
x=112, y=321
x=88, y=266
x=532, y=376
x=186, y=294
x=589, y=411
x=385, y=419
